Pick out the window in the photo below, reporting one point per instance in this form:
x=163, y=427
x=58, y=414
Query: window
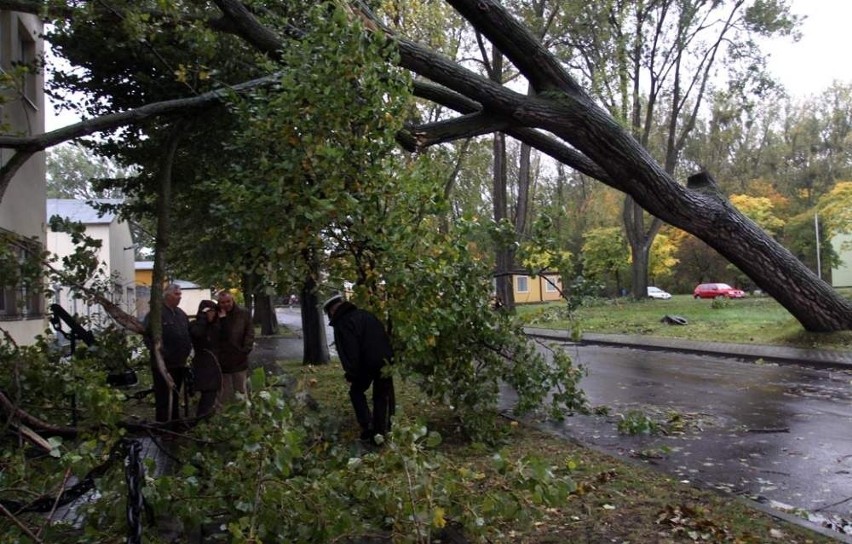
x=21, y=296
x=551, y=284
x=28, y=58
x=522, y=284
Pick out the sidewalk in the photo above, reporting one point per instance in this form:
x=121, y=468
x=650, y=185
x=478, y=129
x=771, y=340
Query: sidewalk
x=779, y=354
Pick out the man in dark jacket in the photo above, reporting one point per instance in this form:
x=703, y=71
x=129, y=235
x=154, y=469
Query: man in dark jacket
x=175, y=350
x=364, y=349
x=237, y=341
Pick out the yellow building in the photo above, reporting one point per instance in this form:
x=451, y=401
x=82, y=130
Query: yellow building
x=193, y=293
x=546, y=287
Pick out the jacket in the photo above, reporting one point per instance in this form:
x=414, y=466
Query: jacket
x=205, y=361
x=176, y=342
x=362, y=343
x=236, y=340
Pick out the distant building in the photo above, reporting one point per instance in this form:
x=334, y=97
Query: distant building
x=545, y=287
x=841, y=276
x=192, y=292
x=116, y=256
x=22, y=211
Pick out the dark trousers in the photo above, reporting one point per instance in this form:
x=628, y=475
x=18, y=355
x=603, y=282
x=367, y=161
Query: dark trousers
x=384, y=403
x=207, y=402
x=162, y=393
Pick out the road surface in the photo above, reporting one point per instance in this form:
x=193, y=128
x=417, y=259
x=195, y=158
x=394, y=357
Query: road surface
x=778, y=434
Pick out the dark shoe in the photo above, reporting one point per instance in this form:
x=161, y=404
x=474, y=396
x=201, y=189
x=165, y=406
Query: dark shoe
x=367, y=435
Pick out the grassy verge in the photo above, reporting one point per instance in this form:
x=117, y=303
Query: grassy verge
x=757, y=320
x=613, y=501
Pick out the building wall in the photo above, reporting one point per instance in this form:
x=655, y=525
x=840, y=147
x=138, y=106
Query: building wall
x=842, y=275
x=192, y=293
x=122, y=260
x=22, y=209
x=117, y=264
x=537, y=288
x=551, y=287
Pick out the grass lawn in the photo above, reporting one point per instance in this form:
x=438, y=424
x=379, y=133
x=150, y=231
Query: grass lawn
x=614, y=501
x=757, y=320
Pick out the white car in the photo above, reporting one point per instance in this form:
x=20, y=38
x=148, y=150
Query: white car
x=656, y=292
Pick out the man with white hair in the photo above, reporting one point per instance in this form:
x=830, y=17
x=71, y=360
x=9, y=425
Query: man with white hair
x=175, y=350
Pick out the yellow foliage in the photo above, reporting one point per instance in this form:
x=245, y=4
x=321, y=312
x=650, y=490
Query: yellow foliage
x=438, y=519
x=760, y=210
x=835, y=208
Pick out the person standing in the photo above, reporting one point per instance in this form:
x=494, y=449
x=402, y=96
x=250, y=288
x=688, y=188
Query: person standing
x=175, y=350
x=237, y=341
x=205, y=334
x=364, y=349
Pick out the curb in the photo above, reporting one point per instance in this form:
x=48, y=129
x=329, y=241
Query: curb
x=779, y=354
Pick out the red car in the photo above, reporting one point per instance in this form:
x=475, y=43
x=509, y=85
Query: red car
x=717, y=290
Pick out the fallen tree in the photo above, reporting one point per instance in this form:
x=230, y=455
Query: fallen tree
x=559, y=119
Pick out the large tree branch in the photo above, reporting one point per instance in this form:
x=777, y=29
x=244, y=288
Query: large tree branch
x=457, y=128
x=545, y=143
x=455, y=87
x=520, y=46
x=27, y=146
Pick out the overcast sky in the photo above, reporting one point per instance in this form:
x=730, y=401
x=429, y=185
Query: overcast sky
x=810, y=66
x=805, y=68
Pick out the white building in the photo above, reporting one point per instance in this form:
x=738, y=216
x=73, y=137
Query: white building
x=22, y=213
x=192, y=293
x=841, y=276
x=115, y=255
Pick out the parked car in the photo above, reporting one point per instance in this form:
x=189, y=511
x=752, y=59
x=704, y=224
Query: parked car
x=656, y=292
x=717, y=290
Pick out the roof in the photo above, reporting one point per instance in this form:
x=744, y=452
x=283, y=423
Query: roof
x=80, y=210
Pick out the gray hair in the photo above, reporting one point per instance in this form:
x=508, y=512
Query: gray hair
x=171, y=288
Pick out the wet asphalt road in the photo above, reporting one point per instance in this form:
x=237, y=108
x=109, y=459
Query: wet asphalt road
x=778, y=434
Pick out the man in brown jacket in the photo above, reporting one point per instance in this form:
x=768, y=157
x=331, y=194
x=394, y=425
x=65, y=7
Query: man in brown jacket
x=237, y=341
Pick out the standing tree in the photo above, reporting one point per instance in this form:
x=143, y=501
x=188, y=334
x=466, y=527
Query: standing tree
x=605, y=256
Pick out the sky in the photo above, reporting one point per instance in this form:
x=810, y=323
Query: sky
x=806, y=68
x=809, y=66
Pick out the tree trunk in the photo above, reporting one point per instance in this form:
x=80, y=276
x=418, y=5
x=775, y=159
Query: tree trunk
x=314, y=341
x=503, y=256
x=503, y=259
x=640, y=242
x=264, y=314
x=247, y=286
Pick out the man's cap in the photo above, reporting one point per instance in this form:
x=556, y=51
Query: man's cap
x=334, y=299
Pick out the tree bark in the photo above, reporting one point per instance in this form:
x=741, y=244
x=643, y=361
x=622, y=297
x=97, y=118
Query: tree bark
x=264, y=314
x=503, y=257
x=314, y=340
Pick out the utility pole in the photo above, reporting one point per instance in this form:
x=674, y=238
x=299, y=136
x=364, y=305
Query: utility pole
x=816, y=229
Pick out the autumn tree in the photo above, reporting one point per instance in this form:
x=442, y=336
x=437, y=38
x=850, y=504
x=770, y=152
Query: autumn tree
x=605, y=255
